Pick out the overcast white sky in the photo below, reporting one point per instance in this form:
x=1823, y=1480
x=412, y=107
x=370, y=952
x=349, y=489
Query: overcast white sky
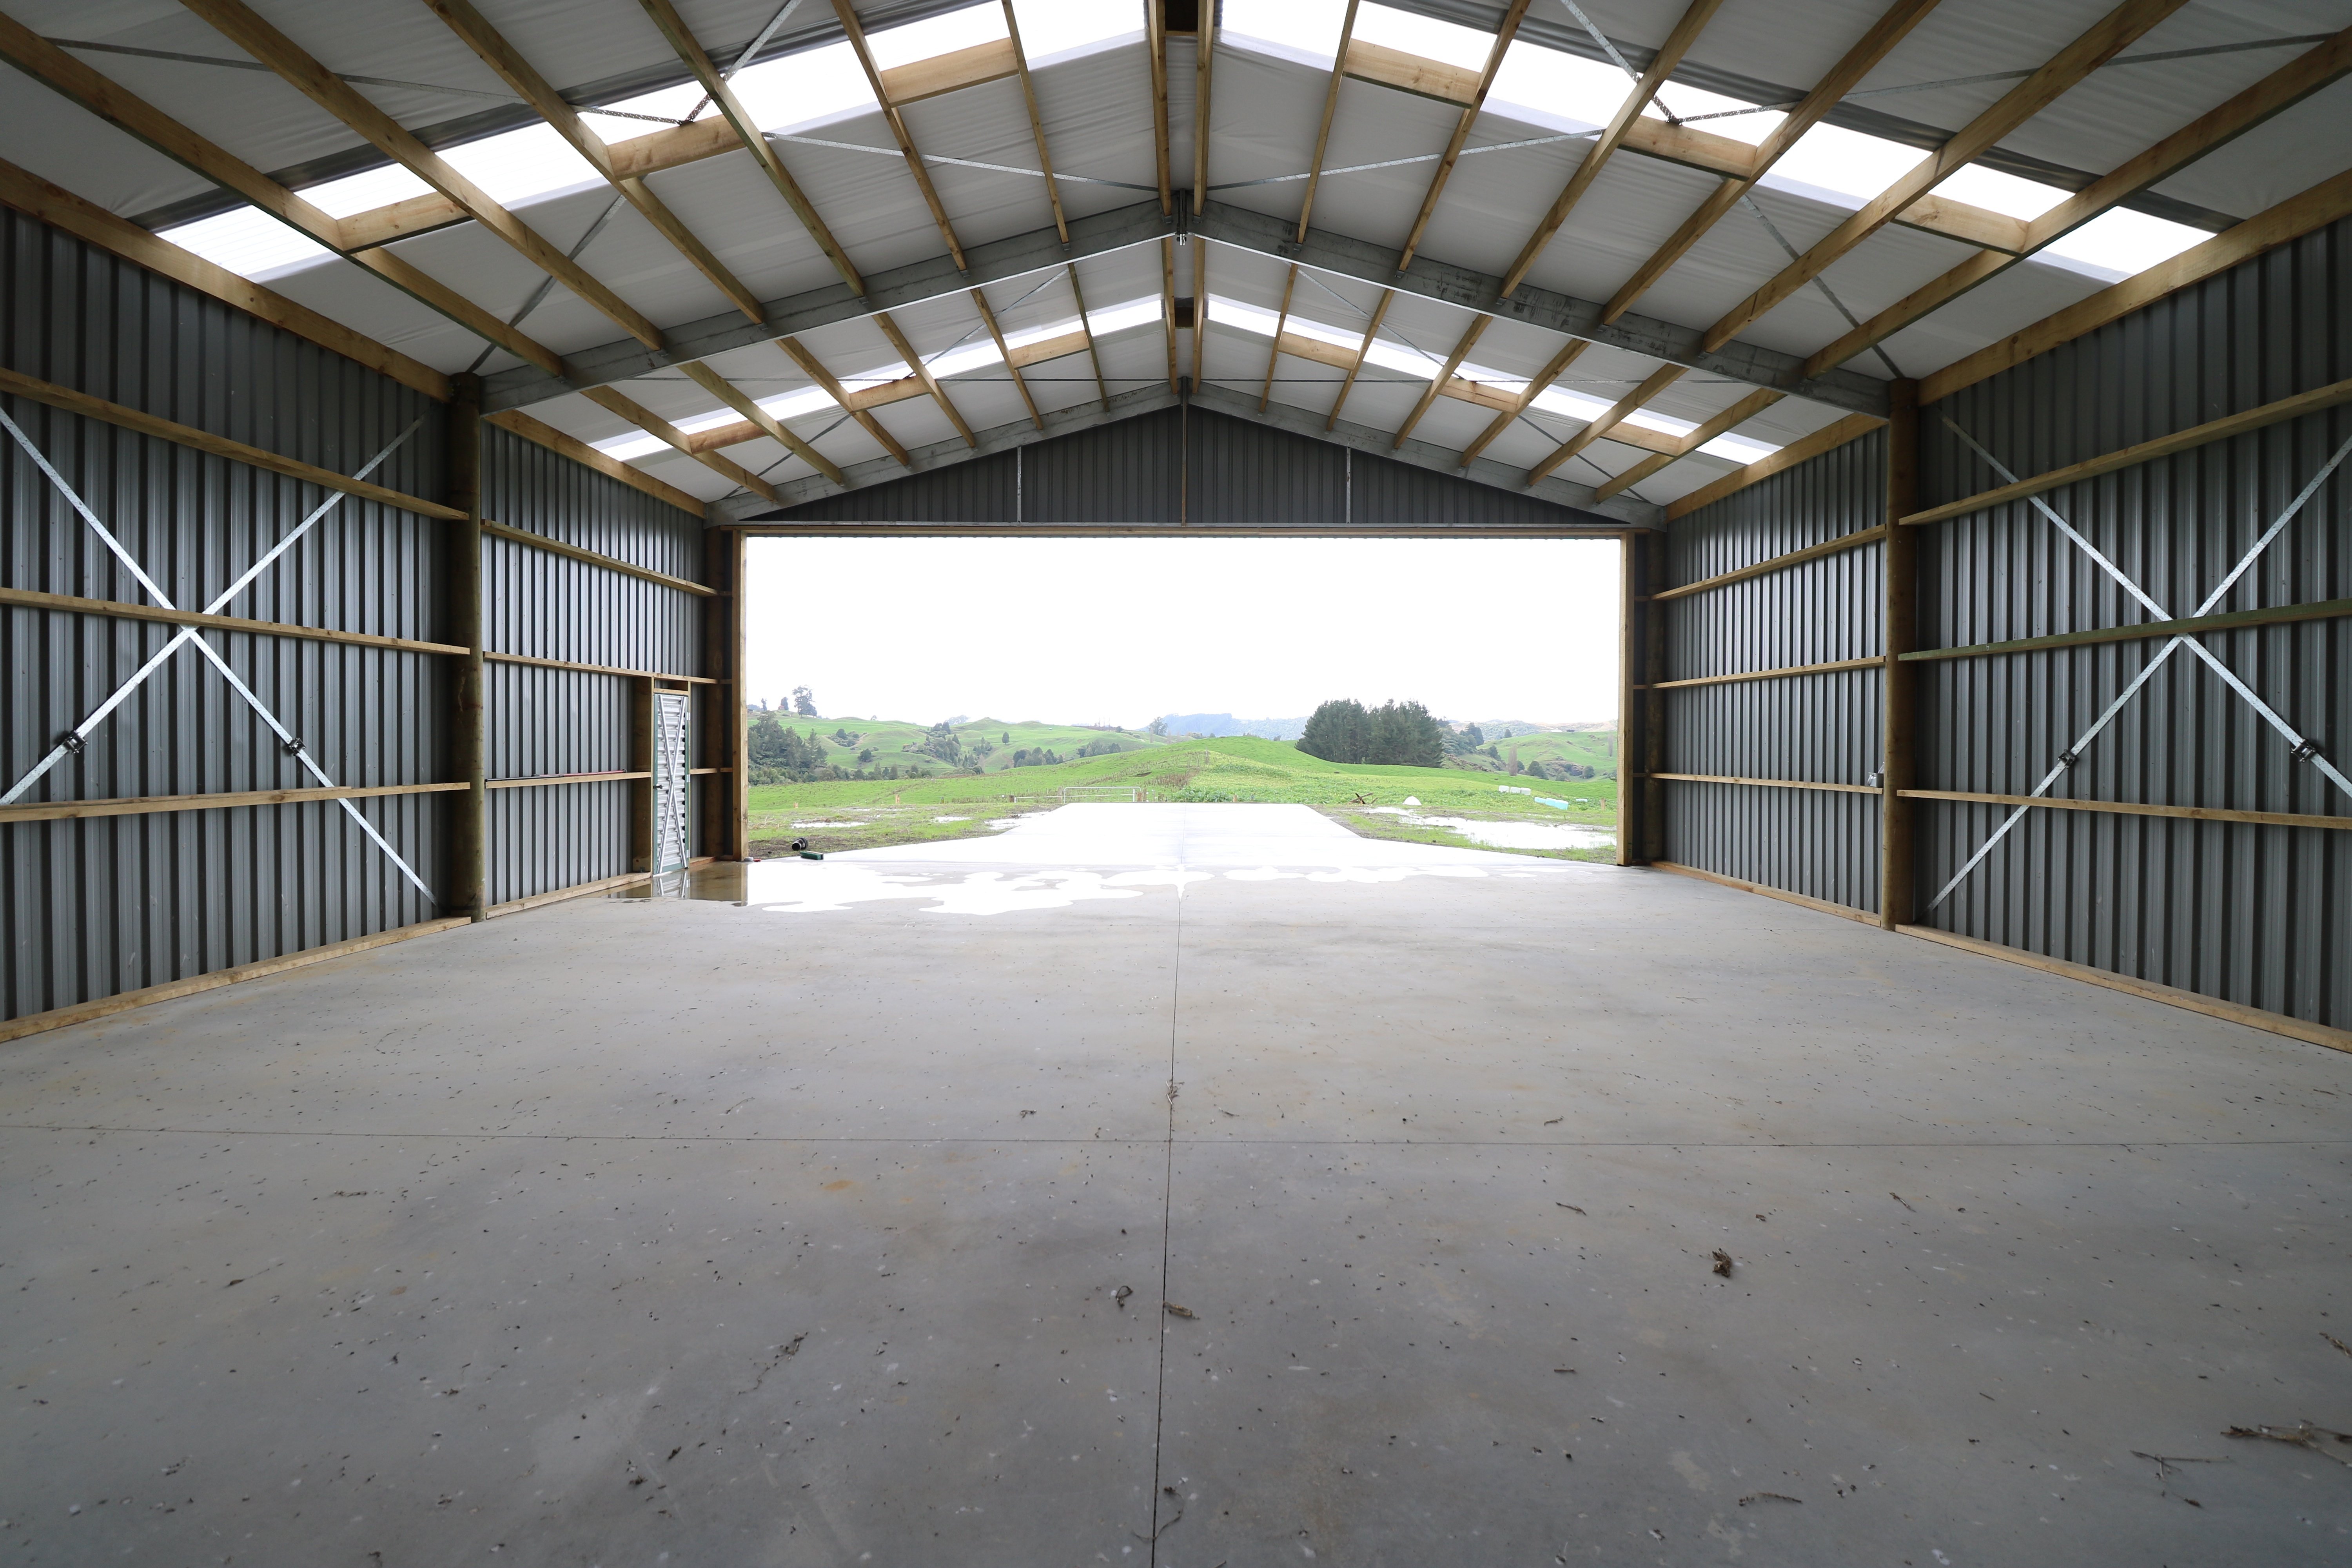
x=1117, y=631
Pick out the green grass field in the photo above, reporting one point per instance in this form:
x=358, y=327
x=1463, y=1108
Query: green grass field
x=864, y=813
x=887, y=739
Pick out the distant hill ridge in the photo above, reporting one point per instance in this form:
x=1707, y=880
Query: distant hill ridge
x=1217, y=725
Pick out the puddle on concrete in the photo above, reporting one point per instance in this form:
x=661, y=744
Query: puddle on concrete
x=1512, y=835
x=792, y=887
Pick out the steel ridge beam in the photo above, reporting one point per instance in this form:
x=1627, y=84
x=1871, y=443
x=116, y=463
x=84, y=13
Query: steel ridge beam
x=1610, y=517
x=1326, y=251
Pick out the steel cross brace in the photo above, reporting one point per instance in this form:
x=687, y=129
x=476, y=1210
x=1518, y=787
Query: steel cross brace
x=2303, y=748
x=71, y=741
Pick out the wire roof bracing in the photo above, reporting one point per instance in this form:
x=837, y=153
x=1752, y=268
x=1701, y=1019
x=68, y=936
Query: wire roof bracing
x=1609, y=251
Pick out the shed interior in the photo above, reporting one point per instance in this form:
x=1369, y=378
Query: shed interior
x=389, y=393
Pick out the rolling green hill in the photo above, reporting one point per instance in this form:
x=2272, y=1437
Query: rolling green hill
x=892, y=741
x=862, y=814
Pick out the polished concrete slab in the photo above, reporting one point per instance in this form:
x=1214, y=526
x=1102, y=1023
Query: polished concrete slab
x=830, y=1221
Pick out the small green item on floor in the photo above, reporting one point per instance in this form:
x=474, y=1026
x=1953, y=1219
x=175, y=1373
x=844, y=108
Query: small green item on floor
x=811, y=855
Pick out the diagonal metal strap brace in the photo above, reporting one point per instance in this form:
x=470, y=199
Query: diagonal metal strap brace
x=72, y=741
x=2302, y=747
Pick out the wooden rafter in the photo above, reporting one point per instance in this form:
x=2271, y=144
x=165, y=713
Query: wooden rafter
x=2105, y=39
x=996, y=335
x=1891, y=29
x=1168, y=299
x=2308, y=73
x=898, y=123
x=1738, y=414
x=1094, y=351
x=1330, y=110
x=2328, y=202
x=59, y=208
x=1567, y=356
x=922, y=374
x=1200, y=249
x=840, y=394
x=767, y=423
x=1853, y=428
x=1608, y=420
x=1670, y=55
x=1155, y=29
x=498, y=53
x=747, y=131
x=1477, y=329
x=1205, y=43
x=1036, y=125
x=1503, y=36
x=1274, y=349
x=615, y=400
x=109, y=101
x=240, y=24
x=1371, y=330
x=1891, y=26
x=515, y=422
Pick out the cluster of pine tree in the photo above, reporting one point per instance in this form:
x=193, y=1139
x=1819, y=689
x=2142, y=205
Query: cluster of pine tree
x=1395, y=734
x=1040, y=757
x=777, y=747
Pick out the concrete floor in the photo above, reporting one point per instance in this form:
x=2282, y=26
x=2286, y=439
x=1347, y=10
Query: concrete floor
x=835, y=1226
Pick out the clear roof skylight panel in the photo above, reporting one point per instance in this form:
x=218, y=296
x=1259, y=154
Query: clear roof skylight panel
x=2119, y=243
x=1846, y=167
x=1310, y=27
x=1426, y=36
x=934, y=36
x=248, y=242
x=1561, y=89
x=1055, y=27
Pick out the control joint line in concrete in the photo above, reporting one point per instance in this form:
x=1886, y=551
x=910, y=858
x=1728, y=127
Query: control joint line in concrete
x=1198, y=1142
x=1166, y=1212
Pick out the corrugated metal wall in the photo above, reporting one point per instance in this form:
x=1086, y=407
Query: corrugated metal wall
x=1821, y=728
x=1188, y=465
x=111, y=904
x=2253, y=914
x=545, y=606
x=104, y=905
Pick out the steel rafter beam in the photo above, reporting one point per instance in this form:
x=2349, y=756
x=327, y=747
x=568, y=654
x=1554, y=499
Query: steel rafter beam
x=1609, y=517
x=1340, y=255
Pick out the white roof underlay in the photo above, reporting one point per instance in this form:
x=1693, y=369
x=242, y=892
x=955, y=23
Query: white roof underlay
x=1096, y=107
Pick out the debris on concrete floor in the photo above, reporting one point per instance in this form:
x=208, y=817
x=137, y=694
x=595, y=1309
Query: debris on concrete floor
x=1769, y=1497
x=1174, y=1310
x=2303, y=1435
x=1570, y=1207
x=2164, y=1463
x=2339, y=1344
x=1723, y=1263
x=1118, y=1296
x=1898, y=1198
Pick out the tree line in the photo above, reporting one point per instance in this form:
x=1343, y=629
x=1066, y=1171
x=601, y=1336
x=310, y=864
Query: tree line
x=1394, y=734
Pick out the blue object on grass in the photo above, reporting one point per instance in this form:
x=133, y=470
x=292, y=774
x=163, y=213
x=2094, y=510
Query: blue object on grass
x=1547, y=800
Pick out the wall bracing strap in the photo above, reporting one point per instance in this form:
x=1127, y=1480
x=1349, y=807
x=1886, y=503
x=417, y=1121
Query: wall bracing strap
x=2303, y=748
x=72, y=741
